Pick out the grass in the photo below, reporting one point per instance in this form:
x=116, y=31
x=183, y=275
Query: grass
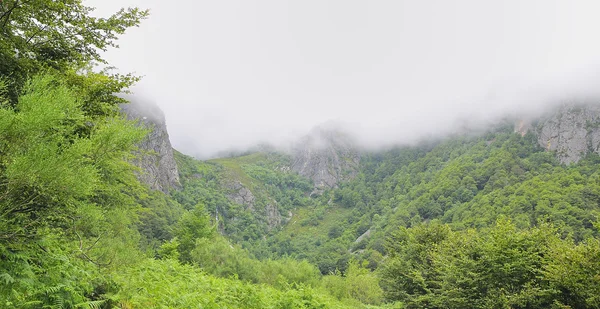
x=331, y=216
x=234, y=170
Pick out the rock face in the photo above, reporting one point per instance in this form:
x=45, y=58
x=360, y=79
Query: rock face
x=327, y=157
x=241, y=195
x=159, y=169
x=572, y=131
x=522, y=127
x=273, y=215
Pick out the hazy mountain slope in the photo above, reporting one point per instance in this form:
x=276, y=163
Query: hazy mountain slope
x=250, y=195
x=158, y=167
x=467, y=182
x=500, y=181
x=326, y=156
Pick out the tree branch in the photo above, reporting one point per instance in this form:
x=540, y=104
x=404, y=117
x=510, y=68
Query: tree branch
x=8, y=13
x=36, y=33
x=95, y=242
x=83, y=253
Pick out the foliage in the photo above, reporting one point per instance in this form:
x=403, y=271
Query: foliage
x=48, y=171
x=68, y=194
x=68, y=200
x=192, y=226
x=358, y=284
x=503, y=267
x=418, y=227
x=221, y=258
x=213, y=183
x=464, y=181
x=57, y=35
x=168, y=284
x=157, y=219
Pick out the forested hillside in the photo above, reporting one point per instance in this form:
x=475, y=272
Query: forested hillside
x=495, y=219
x=77, y=228
x=510, y=203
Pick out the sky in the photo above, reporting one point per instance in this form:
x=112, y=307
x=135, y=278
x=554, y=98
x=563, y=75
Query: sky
x=230, y=74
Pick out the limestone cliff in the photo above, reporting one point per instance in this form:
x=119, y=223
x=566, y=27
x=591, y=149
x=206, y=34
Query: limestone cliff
x=572, y=131
x=265, y=207
x=327, y=157
x=159, y=170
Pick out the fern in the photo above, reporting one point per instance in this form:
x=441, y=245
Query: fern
x=54, y=289
x=95, y=304
x=58, y=304
x=8, y=279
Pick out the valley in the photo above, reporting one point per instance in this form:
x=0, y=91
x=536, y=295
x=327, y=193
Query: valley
x=389, y=206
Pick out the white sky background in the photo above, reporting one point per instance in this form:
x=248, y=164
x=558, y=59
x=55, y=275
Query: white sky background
x=235, y=73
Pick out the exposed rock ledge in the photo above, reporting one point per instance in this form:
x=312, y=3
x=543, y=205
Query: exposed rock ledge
x=159, y=169
x=572, y=131
x=327, y=157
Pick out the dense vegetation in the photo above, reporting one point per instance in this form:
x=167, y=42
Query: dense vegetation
x=500, y=267
x=465, y=182
x=487, y=221
x=77, y=229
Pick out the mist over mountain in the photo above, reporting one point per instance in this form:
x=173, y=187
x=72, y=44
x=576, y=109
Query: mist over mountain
x=353, y=154
x=396, y=71
x=382, y=137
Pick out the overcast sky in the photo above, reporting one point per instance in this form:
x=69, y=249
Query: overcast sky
x=234, y=73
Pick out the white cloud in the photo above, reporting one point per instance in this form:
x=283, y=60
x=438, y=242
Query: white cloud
x=233, y=73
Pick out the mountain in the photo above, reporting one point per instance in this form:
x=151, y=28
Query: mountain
x=259, y=193
x=157, y=163
x=336, y=205
x=571, y=132
x=372, y=192
x=326, y=156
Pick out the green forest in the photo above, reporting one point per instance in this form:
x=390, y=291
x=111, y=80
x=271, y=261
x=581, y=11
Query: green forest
x=488, y=220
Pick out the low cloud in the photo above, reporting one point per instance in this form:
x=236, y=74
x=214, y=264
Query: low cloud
x=232, y=74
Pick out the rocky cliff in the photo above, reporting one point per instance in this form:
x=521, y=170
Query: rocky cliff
x=159, y=170
x=327, y=157
x=265, y=206
x=572, y=131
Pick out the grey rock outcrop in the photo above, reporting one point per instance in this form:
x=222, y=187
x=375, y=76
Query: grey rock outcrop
x=273, y=215
x=572, y=131
x=239, y=194
x=159, y=169
x=327, y=157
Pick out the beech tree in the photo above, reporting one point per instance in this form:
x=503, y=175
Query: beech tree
x=58, y=35
x=67, y=190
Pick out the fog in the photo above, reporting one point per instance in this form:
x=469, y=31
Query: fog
x=231, y=74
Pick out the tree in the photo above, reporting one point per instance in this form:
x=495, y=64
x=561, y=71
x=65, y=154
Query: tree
x=193, y=225
x=57, y=35
x=574, y=270
x=409, y=274
x=66, y=200
x=47, y=169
